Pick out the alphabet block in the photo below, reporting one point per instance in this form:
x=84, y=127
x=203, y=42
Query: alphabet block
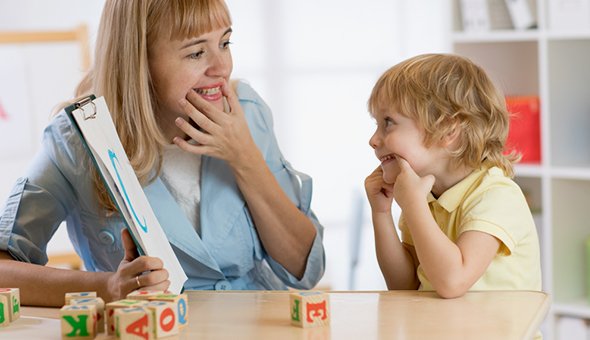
x=309, y=309
x=79, y=295
x=78, y=321
x=144, y=294
x=13, y=303
x=4, y=314
x=112, y=306
x=99, y=304
x=134, y=323
x=181, y=303
x=164, y=314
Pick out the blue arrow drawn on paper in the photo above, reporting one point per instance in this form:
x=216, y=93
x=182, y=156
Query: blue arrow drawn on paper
x=113, y=158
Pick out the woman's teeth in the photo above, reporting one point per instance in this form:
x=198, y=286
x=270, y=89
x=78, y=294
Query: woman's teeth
x=208, y=92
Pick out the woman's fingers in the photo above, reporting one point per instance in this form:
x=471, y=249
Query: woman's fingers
x=232, y=99
x=196, y=115
x=152, y=278
x=129, y=246
x=204, y=108
x=199, y=136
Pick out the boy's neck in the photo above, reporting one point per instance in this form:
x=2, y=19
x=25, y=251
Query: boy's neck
x=449, y=179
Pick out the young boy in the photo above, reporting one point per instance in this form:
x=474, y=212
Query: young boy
x=465, y=225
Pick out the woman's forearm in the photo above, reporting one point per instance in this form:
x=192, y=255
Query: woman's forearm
x=286, y=233
x=46, y=286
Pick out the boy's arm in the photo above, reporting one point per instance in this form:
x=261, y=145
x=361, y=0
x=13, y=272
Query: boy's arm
x=451, y=268
x=395, y=258
x=396, y=262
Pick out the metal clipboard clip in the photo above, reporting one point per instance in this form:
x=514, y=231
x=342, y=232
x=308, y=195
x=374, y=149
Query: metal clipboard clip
x=83, y=102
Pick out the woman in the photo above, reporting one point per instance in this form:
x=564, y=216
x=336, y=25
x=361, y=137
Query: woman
x=235, y=212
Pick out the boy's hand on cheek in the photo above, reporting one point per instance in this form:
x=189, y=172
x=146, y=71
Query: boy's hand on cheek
x=409, y=187
x=379, y=193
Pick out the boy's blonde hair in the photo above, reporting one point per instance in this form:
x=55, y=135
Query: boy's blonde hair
x=444, y=92
x=121, y=70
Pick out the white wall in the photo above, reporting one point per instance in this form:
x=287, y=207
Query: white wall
x=314, y=62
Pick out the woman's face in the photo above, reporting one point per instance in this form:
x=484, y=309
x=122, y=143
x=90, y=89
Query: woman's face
x=199, y=64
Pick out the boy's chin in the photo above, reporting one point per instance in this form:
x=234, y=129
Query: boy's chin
x=389, y=178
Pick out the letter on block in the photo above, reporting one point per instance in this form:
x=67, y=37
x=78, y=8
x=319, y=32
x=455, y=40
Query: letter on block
x=78, y=322
x=79, y=295
x=181, y=303
x=134, y=323
x=112, y=306
x=99, y=304
x=310, y=309
x=4, y=314
x=13, y=297
x=164, y=313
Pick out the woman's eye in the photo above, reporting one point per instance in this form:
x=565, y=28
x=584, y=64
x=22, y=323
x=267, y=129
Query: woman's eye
x=225, y=44
x=196, y=55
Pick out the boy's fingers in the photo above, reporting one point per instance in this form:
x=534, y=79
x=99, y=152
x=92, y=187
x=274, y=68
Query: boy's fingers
x=403, y=164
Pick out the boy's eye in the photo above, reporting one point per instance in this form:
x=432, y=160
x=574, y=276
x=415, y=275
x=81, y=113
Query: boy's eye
x=388, y=122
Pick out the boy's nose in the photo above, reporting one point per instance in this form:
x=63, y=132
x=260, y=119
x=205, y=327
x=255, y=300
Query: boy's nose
x=374, y=141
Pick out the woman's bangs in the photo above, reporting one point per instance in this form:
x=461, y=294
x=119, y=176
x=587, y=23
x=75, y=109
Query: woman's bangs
x=189, y=18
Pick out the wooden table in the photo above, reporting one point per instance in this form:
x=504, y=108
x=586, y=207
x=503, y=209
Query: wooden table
x=355, y=315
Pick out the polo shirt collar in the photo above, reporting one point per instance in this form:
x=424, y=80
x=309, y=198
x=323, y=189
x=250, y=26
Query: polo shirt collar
x=451, y=198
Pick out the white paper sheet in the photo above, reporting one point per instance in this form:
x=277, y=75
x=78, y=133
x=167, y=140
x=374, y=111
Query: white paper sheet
x=97, y=127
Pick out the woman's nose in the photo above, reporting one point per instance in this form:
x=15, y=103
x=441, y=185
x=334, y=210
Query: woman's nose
x=220, y=64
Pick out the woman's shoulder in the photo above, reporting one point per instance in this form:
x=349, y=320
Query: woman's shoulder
x=255, y=108
x=245, y=91
x=62, y=142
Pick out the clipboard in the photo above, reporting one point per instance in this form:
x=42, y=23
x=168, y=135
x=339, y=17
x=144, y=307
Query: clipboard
x=92, y=119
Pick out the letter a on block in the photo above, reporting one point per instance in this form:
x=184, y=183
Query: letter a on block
x=139, y=328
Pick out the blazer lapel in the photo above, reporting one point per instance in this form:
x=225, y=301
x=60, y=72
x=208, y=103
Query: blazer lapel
x=177, y=227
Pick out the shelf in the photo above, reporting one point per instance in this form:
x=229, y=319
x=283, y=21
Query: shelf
x=495, y=36
x=565, y=35
x=579, y=309
x=575, y=173
x=528, y=170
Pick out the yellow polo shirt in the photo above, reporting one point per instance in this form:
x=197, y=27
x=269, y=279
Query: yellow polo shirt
x=492, y=203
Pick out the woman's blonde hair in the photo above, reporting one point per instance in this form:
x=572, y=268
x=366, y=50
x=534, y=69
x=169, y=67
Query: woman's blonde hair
x=121, y=71
x=445, y=92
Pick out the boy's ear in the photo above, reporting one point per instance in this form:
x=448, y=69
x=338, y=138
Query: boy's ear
x=452, y=136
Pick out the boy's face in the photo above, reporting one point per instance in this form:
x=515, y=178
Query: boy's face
x=397, y=135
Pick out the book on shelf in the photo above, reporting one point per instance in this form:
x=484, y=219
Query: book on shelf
x=486, y=15
x=520, y=14
x=474, y=15
x=524, y=135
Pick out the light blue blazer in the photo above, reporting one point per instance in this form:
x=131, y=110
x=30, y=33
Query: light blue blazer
x=227, y=255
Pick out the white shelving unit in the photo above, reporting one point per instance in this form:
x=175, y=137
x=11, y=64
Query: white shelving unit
x=554, y=65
